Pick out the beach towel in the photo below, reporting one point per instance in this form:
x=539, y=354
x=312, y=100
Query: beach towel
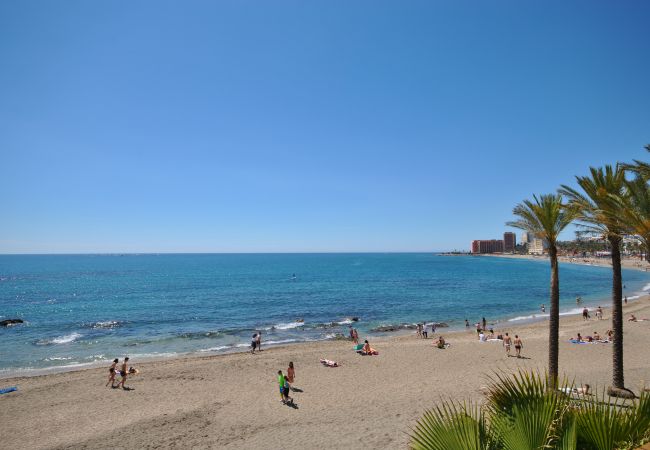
x=358, y=347
x=8, y=390
x=329, y=363
x=575, y=341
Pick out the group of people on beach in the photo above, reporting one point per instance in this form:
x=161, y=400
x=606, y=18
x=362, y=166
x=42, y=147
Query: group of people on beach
x=595, y=337
x=256, y=342
x=424, y=328
x=123, y=372
x=285, y=382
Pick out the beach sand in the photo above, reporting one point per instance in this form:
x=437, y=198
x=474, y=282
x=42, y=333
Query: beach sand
x=232, y=401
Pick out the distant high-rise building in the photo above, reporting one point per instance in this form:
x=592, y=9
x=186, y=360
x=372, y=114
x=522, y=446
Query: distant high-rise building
x=509, y=242
x=525, y=237
x=537, y=246
x=487, y=246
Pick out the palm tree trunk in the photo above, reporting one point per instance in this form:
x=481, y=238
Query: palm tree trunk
x=617, y=314
x=647, y=251
x=554, y=320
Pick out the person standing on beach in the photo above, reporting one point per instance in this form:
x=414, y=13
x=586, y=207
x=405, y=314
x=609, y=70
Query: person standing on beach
x=424, y=330
x=543, y=308
x=355, y=336
x=124, y=372
x=484, y=323
x=518, y=346
x=291, y=374
x=253, y=344
x=599, y=313
x=625, y=300
x=585, y=314
x=111, y=372
x=281, y=385
x=259, y=341
x=351, y=333
x=507, y=342
x=419, y=330
x=466, y=323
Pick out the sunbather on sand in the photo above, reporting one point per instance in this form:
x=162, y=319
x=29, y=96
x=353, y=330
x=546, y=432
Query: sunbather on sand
x=367, y=350
x=441, y=342
x=596, y=336
x=632, y=318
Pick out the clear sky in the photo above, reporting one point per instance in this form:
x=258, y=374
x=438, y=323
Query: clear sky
x=228, y=126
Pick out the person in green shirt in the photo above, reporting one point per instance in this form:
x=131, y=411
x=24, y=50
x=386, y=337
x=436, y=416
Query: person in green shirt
x=281, y=383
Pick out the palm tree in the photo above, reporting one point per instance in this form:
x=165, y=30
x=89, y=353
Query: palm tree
x=637, y=211
x=520, y=413
x=545, y=217
x=601, y=210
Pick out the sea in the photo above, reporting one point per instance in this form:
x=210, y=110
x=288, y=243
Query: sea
x=85, y=310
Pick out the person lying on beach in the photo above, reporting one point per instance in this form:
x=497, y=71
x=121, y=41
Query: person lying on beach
x=596, y=336
x=632, y=318
x=367, y=350
x=584, y=390
x=441, y=344
x=329, y=363
x=111, y=373
x=123, y=373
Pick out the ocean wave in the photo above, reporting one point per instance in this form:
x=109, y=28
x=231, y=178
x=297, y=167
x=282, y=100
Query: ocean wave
x=633, y=297
x=646, y=287
x=215, y=349
x=68, y=338
x=286, y=326
x=58, y=358
x=200, y=335
x=152, y=355
x=108, y=324
x=281, y=341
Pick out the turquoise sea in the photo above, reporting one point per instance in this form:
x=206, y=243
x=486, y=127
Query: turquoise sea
x=87, y=309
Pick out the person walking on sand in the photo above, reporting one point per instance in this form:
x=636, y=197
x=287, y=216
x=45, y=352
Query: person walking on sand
x=281, y=385
x=585, y=314
x=599, y=313
x=507, y=342
x=419, y=330
x=518, y=346
x=259, y=341
x=111, y=373
x=124, y=372
x=291, y=374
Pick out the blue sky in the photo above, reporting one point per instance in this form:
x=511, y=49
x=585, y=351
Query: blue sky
x=231, y=126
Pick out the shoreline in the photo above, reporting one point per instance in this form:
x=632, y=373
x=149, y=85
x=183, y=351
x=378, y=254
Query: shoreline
x=523, y=320
x=230, y=401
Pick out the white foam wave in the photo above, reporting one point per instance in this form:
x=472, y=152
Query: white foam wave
x=152, y=355
x=281, y=341
x=345, y=322
x=214, y=349
x=242, y=345
x=106, y=324
x=634, y=297
x=572, y=312
x=58, y=358
x=286, y=326
x=60, y=340
x=646, y=287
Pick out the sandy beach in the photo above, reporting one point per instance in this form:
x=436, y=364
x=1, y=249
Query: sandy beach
x=232, y=401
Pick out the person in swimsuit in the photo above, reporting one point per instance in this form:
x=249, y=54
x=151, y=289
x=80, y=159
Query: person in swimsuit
x=599, y=313
x=518, y=346
x=585, y=314
x=259, y=341
x=543, y=308
x=123, y=373
x=111, y=371
x=484, y=323
x=355, y=337
x=441, y=342
x=466, y=323
x=291, y=374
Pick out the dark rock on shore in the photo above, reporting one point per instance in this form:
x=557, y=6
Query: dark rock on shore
x=7, y=322
x=403, y=326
